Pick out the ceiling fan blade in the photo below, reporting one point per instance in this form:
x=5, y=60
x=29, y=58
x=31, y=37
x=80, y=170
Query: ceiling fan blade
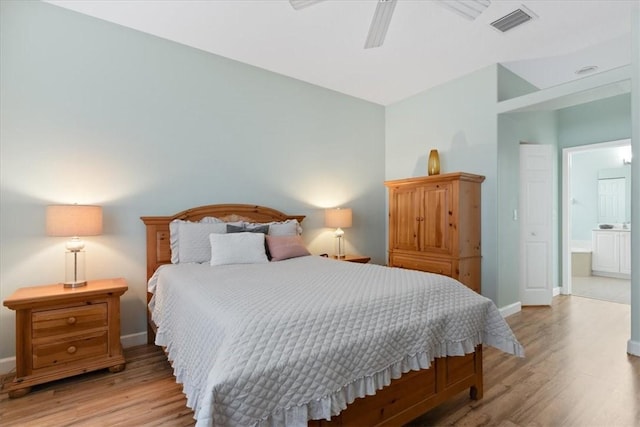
x=380, y=23
x=301, y=4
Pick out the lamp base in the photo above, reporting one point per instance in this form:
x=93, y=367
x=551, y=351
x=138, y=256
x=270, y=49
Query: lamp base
x=339, y=245
x=75, y=284
x=74, y=276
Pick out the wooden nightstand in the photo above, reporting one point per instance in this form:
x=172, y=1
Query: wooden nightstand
x=354, y=258
x=62, y=332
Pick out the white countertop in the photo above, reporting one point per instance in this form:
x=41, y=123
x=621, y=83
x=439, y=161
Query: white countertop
x=612, y=229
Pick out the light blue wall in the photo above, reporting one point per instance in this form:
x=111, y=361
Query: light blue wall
x=509, y=138
x=458, y=119
x=92, y=112
x=604, y=120
x=511, y=85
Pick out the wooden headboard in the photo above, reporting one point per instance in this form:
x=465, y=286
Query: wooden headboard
x=158, y=243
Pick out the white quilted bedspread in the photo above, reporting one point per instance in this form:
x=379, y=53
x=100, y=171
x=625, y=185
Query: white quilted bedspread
x=284, y=342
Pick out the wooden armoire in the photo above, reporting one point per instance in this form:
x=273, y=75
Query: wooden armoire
x=434, y=225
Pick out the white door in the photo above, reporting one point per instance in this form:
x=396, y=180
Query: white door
x=611, y=200
x=536, y=193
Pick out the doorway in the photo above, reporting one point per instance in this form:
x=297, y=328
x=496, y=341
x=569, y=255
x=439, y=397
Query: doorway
x=582, y=168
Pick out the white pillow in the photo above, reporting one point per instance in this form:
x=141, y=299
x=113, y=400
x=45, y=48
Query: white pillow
x=237, y=248
x=190, y=240
x=290, y=227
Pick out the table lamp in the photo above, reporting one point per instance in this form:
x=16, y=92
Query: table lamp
x=74, y=221
x=338, y=218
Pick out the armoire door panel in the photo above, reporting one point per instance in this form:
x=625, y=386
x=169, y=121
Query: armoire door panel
x=435, y=228
x=404, y=219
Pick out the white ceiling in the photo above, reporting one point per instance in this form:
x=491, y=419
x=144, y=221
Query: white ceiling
x=426, y=45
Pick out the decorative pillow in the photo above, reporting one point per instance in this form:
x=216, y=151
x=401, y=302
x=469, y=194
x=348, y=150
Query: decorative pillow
x=190, y=240
x=210, y=219
x=290, y=227
x=285, y=247
x=237, y=248
x=264, y=229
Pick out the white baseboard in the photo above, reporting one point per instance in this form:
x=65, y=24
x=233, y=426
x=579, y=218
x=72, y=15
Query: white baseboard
x=8, y=364
x=511, y=309
x=133, y=340
x=556, y=291
x=633, y=347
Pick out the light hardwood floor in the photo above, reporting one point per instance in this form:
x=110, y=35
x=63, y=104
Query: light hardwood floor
x=576, y=373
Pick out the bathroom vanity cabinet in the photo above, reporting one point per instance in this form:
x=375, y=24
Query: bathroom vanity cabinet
x=611, y=253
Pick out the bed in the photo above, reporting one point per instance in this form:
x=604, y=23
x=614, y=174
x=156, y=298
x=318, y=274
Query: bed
x=262, y=358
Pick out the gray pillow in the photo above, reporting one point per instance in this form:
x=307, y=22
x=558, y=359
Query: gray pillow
x=264, y=229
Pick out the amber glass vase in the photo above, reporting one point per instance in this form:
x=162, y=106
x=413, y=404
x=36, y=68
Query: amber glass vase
x=433, y=164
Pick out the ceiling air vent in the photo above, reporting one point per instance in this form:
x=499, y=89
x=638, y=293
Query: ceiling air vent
x=512, y=20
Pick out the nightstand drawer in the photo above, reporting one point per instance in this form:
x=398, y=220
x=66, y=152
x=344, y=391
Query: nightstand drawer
x=429, y=265
x=80, y=318
x=77, y=348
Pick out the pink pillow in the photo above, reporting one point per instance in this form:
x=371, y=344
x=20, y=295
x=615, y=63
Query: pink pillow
x=285, y=247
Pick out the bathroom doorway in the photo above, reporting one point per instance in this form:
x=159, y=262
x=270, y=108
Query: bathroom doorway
x=603, y=271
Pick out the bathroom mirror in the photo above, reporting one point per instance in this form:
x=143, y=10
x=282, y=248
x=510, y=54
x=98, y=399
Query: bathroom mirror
x=614, y=194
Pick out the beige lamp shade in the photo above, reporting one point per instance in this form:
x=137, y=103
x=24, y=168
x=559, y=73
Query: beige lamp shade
x=74, y=220
x=338, y=218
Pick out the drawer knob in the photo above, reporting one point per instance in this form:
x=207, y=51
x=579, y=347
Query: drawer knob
x=72, y=349
x=71, y=320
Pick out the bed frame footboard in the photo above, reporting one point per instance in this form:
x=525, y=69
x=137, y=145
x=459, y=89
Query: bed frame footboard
x=414, y=393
